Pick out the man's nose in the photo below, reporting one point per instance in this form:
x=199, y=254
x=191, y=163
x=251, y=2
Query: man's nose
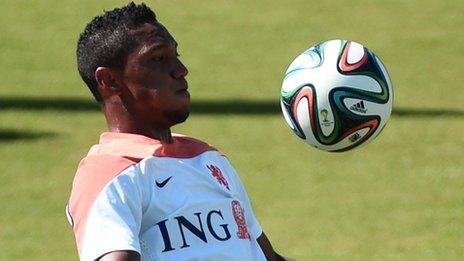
x=179, y=71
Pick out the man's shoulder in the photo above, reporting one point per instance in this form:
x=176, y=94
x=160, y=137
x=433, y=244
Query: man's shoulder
x=103, y=165
x=96, y=171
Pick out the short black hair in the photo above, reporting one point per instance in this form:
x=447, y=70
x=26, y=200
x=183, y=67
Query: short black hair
x=106, y=41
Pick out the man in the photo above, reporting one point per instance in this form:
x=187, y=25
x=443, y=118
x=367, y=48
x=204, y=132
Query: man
x=143, y=192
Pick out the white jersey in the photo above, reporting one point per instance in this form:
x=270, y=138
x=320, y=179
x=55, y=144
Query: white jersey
x=177, y=201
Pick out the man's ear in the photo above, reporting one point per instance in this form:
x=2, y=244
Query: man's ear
x=107, y=81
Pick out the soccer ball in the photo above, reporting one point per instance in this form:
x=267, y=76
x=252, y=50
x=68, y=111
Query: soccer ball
x=337, y=95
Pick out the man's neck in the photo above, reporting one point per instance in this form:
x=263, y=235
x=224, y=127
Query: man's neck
x=164, y=136
x=118, y=119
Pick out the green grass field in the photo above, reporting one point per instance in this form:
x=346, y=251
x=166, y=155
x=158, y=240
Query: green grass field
x=400, y=197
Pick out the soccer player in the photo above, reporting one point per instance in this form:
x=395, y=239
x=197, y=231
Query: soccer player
x=144, y=193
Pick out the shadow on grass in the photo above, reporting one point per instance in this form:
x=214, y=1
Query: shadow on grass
x=410, y=112
x=47, y=103
x=253, y=107
x=12, y=135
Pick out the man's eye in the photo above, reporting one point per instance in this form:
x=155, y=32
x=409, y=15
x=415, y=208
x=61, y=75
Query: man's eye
x=158, y=58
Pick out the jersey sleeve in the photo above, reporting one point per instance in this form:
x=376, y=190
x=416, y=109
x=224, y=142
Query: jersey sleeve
x=114, y=220
x=105, y=207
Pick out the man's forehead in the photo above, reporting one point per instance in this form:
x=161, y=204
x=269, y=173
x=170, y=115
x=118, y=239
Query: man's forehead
x=152, y=32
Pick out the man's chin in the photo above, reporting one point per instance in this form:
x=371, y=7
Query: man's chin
x=178, y=116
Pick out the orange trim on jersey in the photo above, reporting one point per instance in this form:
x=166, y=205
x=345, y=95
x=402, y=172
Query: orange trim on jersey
x=138, y=146
x=106, y=160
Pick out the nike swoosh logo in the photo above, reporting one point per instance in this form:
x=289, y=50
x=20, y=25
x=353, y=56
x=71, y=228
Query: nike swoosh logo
x=162, y=183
